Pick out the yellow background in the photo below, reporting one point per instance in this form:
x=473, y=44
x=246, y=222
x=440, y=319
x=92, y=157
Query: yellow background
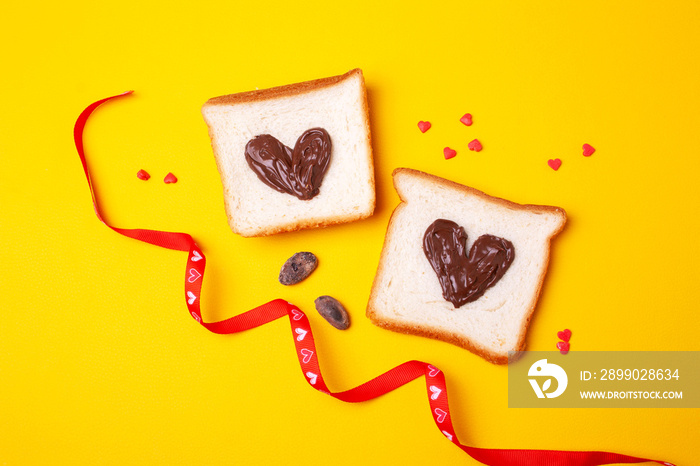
x=99, y=361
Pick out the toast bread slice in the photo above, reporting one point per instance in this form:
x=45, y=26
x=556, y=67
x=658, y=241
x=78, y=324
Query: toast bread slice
x=406, y=295
x=339, y=105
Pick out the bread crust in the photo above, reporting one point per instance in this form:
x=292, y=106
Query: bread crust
x=302, y=225
x=283, y=91
x=475, y=192
x=455, y=339
x=289, y=90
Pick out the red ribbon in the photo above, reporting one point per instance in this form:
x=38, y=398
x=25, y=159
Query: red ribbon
x=308, y=357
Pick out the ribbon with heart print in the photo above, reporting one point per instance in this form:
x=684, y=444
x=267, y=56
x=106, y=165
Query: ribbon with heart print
x=307, y=354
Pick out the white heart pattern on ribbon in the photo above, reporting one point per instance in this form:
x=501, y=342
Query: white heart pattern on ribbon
x=196, y=317
x=297, y=315
x=196, y=256
x=194, y=276
x=306, y=353
x=301, y=332
x=312, y=377
x=440, y=415
x=448, y=435
x=435, y=392
x=432, y=370
x=191, y=298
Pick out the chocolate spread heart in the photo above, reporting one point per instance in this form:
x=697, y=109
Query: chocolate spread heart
x=463, y=278
x=298, y=172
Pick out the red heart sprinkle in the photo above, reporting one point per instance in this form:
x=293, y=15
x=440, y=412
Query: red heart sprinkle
x=563, y=347
x=564, y=335
x=143, y=175
x=466, y=119
x=170, y=178
x=424, y=126
x=588, y=150
x=554, y=164
x=449, y=153
x=475, y=145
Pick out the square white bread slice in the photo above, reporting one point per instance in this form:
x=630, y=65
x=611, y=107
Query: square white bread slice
x=406, y=295
x=337, y=104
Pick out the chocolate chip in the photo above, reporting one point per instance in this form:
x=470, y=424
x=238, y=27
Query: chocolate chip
x=297, y=268
x=334, y=312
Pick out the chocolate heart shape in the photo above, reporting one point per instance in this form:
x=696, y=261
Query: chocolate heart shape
x=298, y=172
x=465, y=278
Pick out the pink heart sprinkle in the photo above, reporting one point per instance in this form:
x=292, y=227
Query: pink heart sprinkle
x=170, y=178
x=564, y=335
x=466, y=119
x=143, y=175
x=563, y=347
x=449, y=153
x=475, y=145
x=424, y=126
x=554, y=164
x=588, y=150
